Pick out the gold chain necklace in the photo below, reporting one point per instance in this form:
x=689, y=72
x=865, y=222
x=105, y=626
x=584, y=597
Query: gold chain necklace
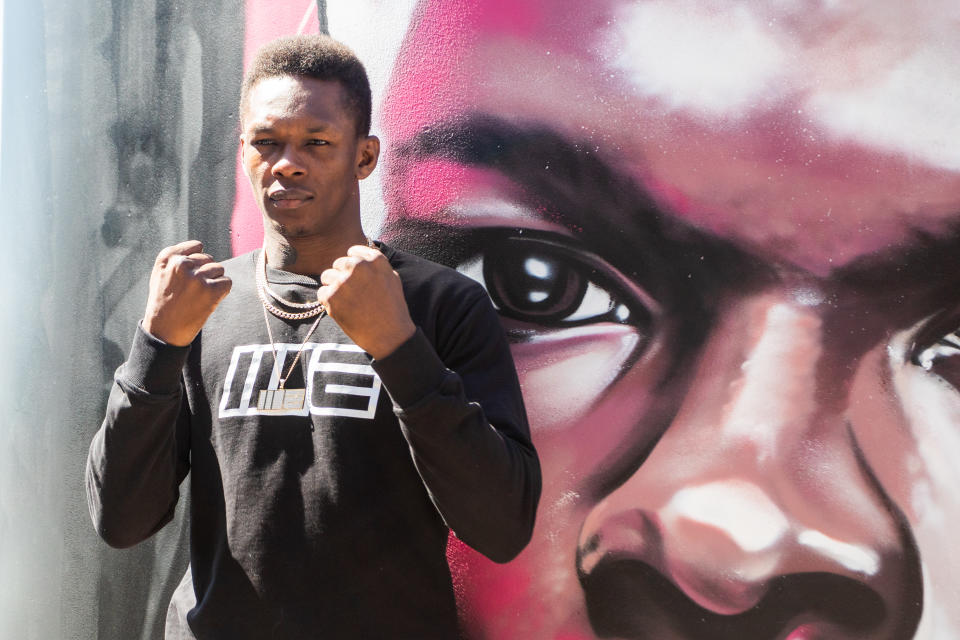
x=263, y=291
x=282, y=399
x=265, y=287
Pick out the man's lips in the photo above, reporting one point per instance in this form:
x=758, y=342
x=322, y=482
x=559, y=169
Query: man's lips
x=289, y=198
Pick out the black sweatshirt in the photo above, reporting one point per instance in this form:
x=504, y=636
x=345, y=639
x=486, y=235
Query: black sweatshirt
x=330, y=521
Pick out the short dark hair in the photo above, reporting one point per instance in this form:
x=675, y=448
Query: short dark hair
x=314, y=56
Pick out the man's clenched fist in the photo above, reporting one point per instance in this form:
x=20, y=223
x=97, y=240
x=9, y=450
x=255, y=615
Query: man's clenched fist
x=185, y=287
x=363, y=293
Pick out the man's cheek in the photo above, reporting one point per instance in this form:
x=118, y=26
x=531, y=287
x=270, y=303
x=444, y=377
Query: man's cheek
x=591, y=399
x=880, y=427
x=932, y=407
x=534, y=596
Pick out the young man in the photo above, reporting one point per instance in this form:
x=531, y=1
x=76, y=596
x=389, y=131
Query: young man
x=334, y=425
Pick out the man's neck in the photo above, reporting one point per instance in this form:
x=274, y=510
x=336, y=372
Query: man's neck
x=308, y=255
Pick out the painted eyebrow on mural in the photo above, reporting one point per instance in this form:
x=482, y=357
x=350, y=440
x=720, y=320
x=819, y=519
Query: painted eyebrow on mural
x=612, y=215
x=619, y=220
x=912, y=281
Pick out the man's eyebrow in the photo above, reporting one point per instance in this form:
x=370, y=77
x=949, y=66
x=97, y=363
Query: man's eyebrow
x=268, y=128
x=609, y=212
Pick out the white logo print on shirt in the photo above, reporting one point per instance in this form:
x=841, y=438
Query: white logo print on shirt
x=344, y=362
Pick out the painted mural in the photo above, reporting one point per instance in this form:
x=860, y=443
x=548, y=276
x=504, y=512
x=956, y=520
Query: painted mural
x=723, y=238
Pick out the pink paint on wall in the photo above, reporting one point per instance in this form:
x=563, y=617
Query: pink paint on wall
x=509, y=16
x=429, y=59
x=265, y=21
x=760, y=199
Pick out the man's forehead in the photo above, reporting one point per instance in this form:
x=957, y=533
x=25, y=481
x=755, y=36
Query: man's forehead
x=281, y=96
x=822, y=133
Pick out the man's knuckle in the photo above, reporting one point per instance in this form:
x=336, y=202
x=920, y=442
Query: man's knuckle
x=179, y=264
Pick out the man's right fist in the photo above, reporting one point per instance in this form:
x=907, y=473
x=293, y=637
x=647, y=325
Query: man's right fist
x=185, y=287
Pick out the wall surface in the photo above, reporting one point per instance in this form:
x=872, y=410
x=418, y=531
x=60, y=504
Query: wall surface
x=118, y=139
x=722, y=237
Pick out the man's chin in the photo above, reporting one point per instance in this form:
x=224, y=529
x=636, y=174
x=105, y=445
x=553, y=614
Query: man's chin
x=288, y=230
x=295, y=232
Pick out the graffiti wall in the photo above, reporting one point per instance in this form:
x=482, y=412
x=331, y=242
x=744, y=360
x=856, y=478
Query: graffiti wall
x=723, y=238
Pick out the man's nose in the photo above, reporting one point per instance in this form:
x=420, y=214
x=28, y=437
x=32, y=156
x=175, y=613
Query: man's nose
x=288, y=163
x=757, y=480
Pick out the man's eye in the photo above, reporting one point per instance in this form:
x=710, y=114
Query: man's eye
x=317, y=142
x=550, y=284
x=265, y=142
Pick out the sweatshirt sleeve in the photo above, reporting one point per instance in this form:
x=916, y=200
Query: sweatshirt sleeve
x=464, y=420
x=140, y=454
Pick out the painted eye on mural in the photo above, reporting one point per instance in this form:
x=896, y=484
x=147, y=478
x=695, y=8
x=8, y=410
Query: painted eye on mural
x=546, y=282
x=936, y=346
x=946, y=347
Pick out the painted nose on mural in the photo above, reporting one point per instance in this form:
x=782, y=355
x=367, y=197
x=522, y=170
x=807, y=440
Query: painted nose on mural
x=754, y=516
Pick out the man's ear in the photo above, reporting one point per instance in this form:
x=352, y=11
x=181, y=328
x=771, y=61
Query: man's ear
x=243, y=149
x=368, y=153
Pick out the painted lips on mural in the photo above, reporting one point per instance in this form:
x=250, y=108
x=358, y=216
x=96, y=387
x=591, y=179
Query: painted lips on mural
x=722, y=237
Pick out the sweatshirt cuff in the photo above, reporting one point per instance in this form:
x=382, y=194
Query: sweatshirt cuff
x=412, y=372
x=153, y=365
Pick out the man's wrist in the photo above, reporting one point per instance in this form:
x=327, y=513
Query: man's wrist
x=412, y=371
x=390, y=343
x=153, y=364
x=155, y=329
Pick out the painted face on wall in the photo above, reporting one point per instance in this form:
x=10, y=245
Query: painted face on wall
x=723, y=238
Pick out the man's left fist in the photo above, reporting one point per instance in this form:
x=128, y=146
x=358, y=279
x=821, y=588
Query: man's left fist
x=363, y=293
